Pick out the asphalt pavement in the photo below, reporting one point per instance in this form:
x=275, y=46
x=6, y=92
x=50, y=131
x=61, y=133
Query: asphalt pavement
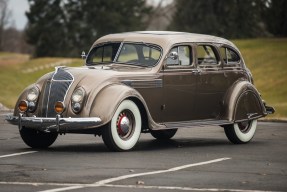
x=196, y=159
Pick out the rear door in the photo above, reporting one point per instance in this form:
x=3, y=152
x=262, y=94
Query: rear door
x=211, y=83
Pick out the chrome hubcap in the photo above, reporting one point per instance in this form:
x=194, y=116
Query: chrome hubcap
x=125, y=124
x=244, y=126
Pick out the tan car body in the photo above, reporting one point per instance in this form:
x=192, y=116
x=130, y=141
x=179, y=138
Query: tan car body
x=167, y=97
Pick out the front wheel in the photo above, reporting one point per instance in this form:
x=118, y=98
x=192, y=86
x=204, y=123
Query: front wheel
x=242, y=132
x=37, y=139
x=124, y=130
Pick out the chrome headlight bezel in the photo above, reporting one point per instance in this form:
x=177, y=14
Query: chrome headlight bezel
x=77, y=99
x=32, y=98
x=33, y=94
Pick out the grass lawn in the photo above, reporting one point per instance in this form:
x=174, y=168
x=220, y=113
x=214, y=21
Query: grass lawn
x=16, y=75
x=266, y=58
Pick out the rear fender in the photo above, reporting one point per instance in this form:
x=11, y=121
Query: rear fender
x=243, y=102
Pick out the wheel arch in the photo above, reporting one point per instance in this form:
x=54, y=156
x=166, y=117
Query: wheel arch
x=110, y=97
x=243, y=102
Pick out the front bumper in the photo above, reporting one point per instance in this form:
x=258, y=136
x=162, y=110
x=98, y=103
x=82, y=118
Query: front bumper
x=57, y=124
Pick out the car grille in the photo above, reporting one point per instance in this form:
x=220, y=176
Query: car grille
x=56, y=90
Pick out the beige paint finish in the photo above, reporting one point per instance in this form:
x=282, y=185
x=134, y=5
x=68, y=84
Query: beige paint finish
x=164, y=95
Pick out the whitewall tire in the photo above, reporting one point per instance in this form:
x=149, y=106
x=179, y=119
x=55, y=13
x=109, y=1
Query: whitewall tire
x=242, y=132
x=124, y=130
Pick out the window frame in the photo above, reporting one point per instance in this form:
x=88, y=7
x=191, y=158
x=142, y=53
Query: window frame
x=119, y=50
x=215, y=51
x=102, y=45
x=191, y=58
x=231, y=64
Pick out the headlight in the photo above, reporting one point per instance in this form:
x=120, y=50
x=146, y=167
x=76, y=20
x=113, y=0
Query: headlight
x=33, y=94
x=78, y=95
x=32, y=97
x=77, y=99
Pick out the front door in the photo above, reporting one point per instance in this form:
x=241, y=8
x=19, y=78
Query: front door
x=179, y=84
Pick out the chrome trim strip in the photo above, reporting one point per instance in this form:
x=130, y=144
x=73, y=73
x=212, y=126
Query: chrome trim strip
x=118, y=52
x=72, y=81
x=155, y=83
x=195, y=123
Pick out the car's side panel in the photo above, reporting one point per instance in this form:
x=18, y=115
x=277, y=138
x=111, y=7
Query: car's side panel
x=151, y=90
x=179, y=95
x=211, y=87
x=109, y=98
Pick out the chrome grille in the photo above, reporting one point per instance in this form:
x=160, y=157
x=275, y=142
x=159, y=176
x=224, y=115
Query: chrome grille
x=56, y=90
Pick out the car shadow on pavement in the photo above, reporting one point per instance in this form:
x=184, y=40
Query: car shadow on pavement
x=179, y=143
x=143, y=145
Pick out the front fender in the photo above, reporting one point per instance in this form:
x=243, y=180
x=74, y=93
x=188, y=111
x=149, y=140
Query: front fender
x=243, y=102
x=109, y=98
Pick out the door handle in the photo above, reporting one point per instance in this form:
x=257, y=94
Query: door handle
x=196, y=71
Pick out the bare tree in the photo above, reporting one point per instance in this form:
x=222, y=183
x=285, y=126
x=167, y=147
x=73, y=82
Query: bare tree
x=5, y=15
x=161, y=15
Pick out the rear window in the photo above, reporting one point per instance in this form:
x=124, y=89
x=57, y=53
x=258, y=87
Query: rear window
x=206, y=55
x=229, y=56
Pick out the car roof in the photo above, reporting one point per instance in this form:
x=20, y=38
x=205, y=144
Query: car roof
x=163, y=38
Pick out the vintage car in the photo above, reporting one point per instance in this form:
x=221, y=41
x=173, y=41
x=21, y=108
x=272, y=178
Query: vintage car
x=143, y=82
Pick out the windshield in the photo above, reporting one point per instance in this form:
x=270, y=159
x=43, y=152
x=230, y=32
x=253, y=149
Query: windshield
x=125, y=53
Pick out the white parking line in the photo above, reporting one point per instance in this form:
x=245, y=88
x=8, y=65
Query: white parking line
x=17, y=154
x=161, y=171
x=75, y=186
x=106, y=181
x=183, y=188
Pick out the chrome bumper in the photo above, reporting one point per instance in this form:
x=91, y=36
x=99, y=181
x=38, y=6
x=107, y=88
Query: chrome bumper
x=57, y=124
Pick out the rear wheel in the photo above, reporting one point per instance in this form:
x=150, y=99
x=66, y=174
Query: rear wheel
x=163, y=134
x=242, y=132
x=124, y=130
x=37, y=139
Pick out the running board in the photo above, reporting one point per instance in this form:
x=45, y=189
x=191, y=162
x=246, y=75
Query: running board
x=197, y=123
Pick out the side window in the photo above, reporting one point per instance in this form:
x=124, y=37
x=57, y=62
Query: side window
x=206, y=55
x=229, y=56
x=184, y=56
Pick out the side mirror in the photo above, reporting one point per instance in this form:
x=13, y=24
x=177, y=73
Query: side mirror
x=173, y=55
x=83, y=55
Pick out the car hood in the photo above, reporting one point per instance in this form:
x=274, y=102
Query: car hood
x=91, y=77
x=60, y=85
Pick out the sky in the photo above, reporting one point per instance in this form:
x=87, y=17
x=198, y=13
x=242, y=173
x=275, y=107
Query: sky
x=19, y=7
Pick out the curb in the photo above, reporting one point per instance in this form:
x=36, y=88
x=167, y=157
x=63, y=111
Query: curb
x=279, y=120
